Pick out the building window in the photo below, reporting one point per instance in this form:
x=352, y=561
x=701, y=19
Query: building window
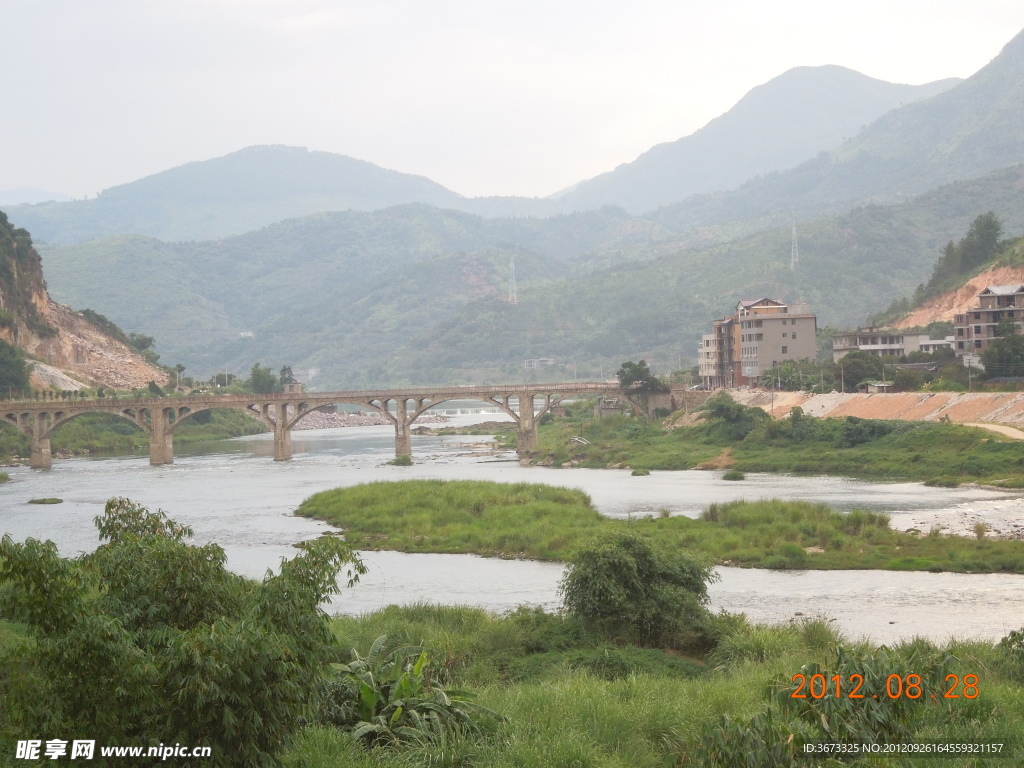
x=785, y=350
x=977, y=315
x=784, y=334
x=977, y=329
x=959, y=345
x=977, y=343
x=959, y=331
x=794, y=334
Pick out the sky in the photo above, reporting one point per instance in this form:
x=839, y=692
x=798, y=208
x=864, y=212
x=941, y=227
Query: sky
x=483, y=96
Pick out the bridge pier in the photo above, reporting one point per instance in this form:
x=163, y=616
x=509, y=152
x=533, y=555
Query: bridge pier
x=161, y=441
x=282, y=435
x=42, y=458
x=526, y=442
x=403, y=440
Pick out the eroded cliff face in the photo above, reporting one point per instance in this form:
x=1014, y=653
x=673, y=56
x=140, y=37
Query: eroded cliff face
x=53, y=333
x=946, y=305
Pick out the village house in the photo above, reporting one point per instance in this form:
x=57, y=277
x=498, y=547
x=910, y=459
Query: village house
x=885, y=342
x=975, y=329
x=757, y=336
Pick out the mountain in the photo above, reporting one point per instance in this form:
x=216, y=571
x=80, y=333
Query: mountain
x=967, y=131
x=776, y=125
x=344, y=285
x=416, y=295
x=54, y=333
x=29, y=195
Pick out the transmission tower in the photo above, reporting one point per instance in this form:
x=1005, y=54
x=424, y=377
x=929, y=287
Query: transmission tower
x=512, y=297
x=794, y=256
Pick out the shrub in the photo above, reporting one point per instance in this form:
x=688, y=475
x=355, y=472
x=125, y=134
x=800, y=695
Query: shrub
x=150, y=637
x=734, y=474
x=389, y=698
x=629, y=589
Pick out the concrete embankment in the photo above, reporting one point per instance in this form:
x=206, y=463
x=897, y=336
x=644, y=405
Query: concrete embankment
x=960, y=407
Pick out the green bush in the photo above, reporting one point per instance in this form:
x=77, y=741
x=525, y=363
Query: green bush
x=734, y=474
x=632, y=590
x=152, y=637
x=388, y=698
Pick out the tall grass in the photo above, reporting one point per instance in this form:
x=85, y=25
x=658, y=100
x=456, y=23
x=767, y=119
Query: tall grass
x=570, y=716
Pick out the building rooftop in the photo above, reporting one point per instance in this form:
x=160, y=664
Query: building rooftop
x=1002, y=290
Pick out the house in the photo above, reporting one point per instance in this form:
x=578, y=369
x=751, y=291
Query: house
x=974, y=329
x=757, y=336
x=885, y=342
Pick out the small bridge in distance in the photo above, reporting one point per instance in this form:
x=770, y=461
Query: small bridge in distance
x=159, y=417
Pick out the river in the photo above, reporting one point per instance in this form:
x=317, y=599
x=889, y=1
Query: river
x=232, y=493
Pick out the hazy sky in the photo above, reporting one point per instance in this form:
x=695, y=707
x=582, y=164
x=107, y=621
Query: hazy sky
x=485, y=97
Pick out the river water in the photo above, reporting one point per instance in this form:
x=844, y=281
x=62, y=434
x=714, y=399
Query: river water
x=231, y=492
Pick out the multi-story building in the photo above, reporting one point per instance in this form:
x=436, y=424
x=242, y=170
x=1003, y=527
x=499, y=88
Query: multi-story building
x=755, y=338
x=974, y=329
x=885, y=342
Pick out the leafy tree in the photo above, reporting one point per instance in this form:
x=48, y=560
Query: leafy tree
x=150, y=637
x=286, y=377
x=263, y=381
x=856, y=367
x=637, y=377
x=154, y=389
x=979, y=245
x=735, y=419
x=630, y=589
x=13, y=368
x=140, y=342
x=1005, y=355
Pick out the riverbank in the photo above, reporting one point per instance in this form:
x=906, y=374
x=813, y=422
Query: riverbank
x=545, y=523
x=729, y=435
x=567, y=697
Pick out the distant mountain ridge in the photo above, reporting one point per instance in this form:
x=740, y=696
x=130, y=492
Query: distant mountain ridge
x=972, y=129
x=415, y=295
x=775, y=126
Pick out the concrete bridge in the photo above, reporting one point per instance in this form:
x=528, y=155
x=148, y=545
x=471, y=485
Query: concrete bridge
x=159, y=417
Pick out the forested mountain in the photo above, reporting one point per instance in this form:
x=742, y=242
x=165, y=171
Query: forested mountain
x=967, y=131
x=777, y=125
x=417, y=295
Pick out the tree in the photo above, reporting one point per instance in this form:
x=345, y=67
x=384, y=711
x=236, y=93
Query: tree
x=626, y=587
x=151, y=637
x=1005, y=355
x=286, y=377
x=263, y=381
x=13, y=368
x=858, y=366
x=637, y=377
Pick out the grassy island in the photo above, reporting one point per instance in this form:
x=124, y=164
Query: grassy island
x=546, y=523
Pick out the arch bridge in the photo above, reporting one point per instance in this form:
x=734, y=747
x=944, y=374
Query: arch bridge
x=160, y=417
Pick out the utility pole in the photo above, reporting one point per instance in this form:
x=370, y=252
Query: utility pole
x=842, y=378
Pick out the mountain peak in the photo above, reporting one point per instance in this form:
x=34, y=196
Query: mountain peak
x=776, y=125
